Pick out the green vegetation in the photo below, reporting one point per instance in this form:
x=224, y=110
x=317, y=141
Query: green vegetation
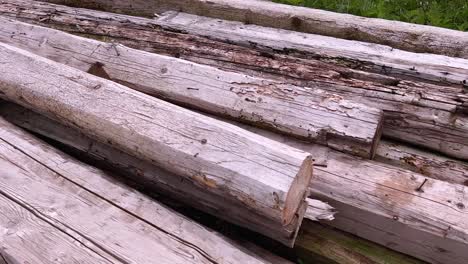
x=442, y=13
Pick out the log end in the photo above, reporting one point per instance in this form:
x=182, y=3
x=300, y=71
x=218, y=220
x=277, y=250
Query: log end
x=377, y=137
x=298, y=191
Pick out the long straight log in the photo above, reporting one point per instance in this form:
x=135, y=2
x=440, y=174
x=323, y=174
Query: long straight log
x=315, y=242
x=406, y=36
x=56, y=209
x=319, y=244
x=422, y=161
x=145, y=173
x=394, y=207
x=417, y=112
x=256, y=173
x=306, y=113
x=180, y=28
x=208, y=40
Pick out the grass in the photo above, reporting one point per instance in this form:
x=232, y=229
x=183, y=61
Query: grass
x=442, y=13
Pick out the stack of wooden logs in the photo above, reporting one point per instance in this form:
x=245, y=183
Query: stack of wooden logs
x=345, y=138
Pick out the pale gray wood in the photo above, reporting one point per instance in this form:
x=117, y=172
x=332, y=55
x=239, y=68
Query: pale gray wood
x=384, y=204
x=149, y=175
x=375, y=201
x=424, y=162
x=418, y=38
x=376, y=58
x=265, y=176
x=26, y=238
x=417, y=112
x=103, y=214
x=312, y=114
x=208, y=40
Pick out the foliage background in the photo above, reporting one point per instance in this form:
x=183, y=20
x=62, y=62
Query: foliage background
x=442, y=13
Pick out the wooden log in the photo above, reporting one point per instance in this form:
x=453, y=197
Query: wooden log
x=314, y=242
x=406, y=36
x=55, y=208
x=251, y=171
x=145, y=173
x=222, y=43
x=319, y=244
x=417, y=112
x=391, y=206
x=422, y=161
x=311, y=114
x=397, y=208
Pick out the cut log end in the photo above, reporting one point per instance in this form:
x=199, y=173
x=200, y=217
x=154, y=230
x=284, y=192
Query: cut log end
x=377, y=137
x=298, y=191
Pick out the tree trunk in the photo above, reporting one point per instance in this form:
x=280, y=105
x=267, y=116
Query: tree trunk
x=262, y=175
x=406, y=36
x=416, y=112
x=310, y=114
x=55, y=208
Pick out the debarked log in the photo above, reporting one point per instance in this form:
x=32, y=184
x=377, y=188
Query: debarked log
x=57, y=209
x=412, y=37
x=145, y=173
x=302, y=112
x=392, y=206
x=416, y=112
x=262, y=175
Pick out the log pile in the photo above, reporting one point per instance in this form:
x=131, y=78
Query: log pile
x=261, y=124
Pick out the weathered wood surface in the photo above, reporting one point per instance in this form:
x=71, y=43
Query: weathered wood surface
x=145, y=173
x=319, y=244
x=312, y=114
x=417, y=112
x=265, y=176
x=78, y=214
x=206, y=39
x=232, y=45
x=357, y=55
x=384, y=202
x=406, y=36
x=400, y=209
x=422, y=161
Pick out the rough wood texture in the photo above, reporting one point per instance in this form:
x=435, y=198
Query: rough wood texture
x=400, y=209
x=384, y=204
x=209, y=40
x=78, y=214
x=406, y=36
x=312, y=114
x=143, y=172
x=222, y=43
x=417, y=112
x=319, y=244
x=423, y=162
x=262, y=175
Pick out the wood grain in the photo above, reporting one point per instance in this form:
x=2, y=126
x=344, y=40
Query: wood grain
x=406, y=36
x=401, y=83
x=99, y=212
x=379, y=202
x=228, y=161
x=311, y=114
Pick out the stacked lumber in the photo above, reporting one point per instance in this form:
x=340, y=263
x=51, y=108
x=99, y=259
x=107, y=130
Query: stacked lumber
x=229, y=110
